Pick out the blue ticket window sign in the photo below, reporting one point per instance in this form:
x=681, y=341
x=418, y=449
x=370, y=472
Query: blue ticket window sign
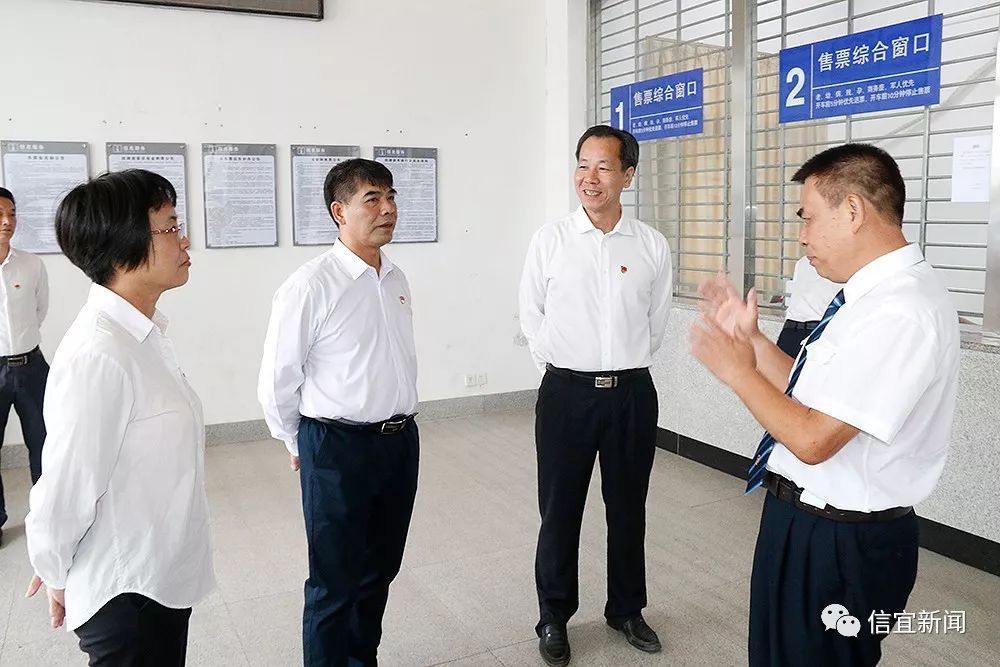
x=667, y=106
x=893, y=67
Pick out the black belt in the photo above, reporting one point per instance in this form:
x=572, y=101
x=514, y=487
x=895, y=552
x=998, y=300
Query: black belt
x=393, y=424
x=599, y=379
x=786, y=490
x=20, y=359
x=801, y=326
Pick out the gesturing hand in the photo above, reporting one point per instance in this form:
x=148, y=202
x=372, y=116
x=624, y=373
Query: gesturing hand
x=727, y=356
x=722, y=304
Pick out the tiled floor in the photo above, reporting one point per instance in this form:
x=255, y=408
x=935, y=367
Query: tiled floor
x=466, y=595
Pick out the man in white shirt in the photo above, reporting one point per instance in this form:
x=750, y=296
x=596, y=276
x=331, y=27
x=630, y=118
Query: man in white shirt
x=861, y=431
x=810, y=295
x=338, y=384
x=594, y=300
x=24, y=300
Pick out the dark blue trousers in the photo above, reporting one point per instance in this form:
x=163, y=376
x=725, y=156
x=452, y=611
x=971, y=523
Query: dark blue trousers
x=804, y=563
x=23, y=388
x=790, y=339
x=358, y=489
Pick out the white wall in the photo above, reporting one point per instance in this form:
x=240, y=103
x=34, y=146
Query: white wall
x=565, y=99
x=468, y=77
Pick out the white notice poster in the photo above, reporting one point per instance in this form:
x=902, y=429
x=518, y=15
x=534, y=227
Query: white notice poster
x=39, y=174
x=167, y=160
x=970, y=173
x=240, y=197
x=311, y=222
x=414, y=175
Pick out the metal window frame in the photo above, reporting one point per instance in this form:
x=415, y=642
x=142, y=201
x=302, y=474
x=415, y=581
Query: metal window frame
x=655, y=186
x=991, y=309
x=741, y=174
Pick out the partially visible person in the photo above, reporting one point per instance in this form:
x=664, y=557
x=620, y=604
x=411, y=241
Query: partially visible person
x=24, y=301
x=810, y=295
x=118, y=528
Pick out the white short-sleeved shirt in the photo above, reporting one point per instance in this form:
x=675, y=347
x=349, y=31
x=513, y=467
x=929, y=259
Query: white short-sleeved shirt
x=811, y=293
x=886, y=364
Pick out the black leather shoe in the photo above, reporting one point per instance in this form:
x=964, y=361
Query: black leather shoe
x=637, y=633
x=554, y=645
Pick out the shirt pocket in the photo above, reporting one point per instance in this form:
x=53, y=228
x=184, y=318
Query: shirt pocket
x=820, y=353
x=163, y=432
x=632, y=283
x=21, y=299
x=164, y=442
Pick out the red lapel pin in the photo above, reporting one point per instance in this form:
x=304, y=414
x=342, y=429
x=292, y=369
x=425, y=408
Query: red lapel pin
x=624, y=269
x=402, y=299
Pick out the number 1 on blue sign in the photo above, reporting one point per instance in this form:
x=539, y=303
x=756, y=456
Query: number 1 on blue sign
x=620, y=110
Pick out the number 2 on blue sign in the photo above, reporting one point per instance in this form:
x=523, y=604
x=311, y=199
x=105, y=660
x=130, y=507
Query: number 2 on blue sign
x=798, y=75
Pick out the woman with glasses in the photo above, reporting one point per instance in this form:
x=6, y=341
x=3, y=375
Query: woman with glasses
x=118, y=524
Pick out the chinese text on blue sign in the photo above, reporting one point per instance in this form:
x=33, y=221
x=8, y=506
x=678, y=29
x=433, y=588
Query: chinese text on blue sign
x=668, y=106
x=893, y=67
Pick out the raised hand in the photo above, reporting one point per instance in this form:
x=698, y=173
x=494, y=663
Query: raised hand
x=728, y=357
x=721, y=304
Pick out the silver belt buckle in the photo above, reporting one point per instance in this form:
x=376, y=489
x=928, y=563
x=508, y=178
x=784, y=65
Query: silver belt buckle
x=20, y=360
x=392, y=426
x=606, y=381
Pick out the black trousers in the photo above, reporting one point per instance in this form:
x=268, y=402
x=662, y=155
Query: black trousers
x=804, y=563
x=358, y=489
x=574, y=425
x=133, y=631
x=791, y=337
x=23, y=388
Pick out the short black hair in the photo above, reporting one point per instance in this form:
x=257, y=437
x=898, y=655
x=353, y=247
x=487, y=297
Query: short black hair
x=7, y=194
x=345, y=178
x=861, y=168
x=628, y=147
x=102, y=226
